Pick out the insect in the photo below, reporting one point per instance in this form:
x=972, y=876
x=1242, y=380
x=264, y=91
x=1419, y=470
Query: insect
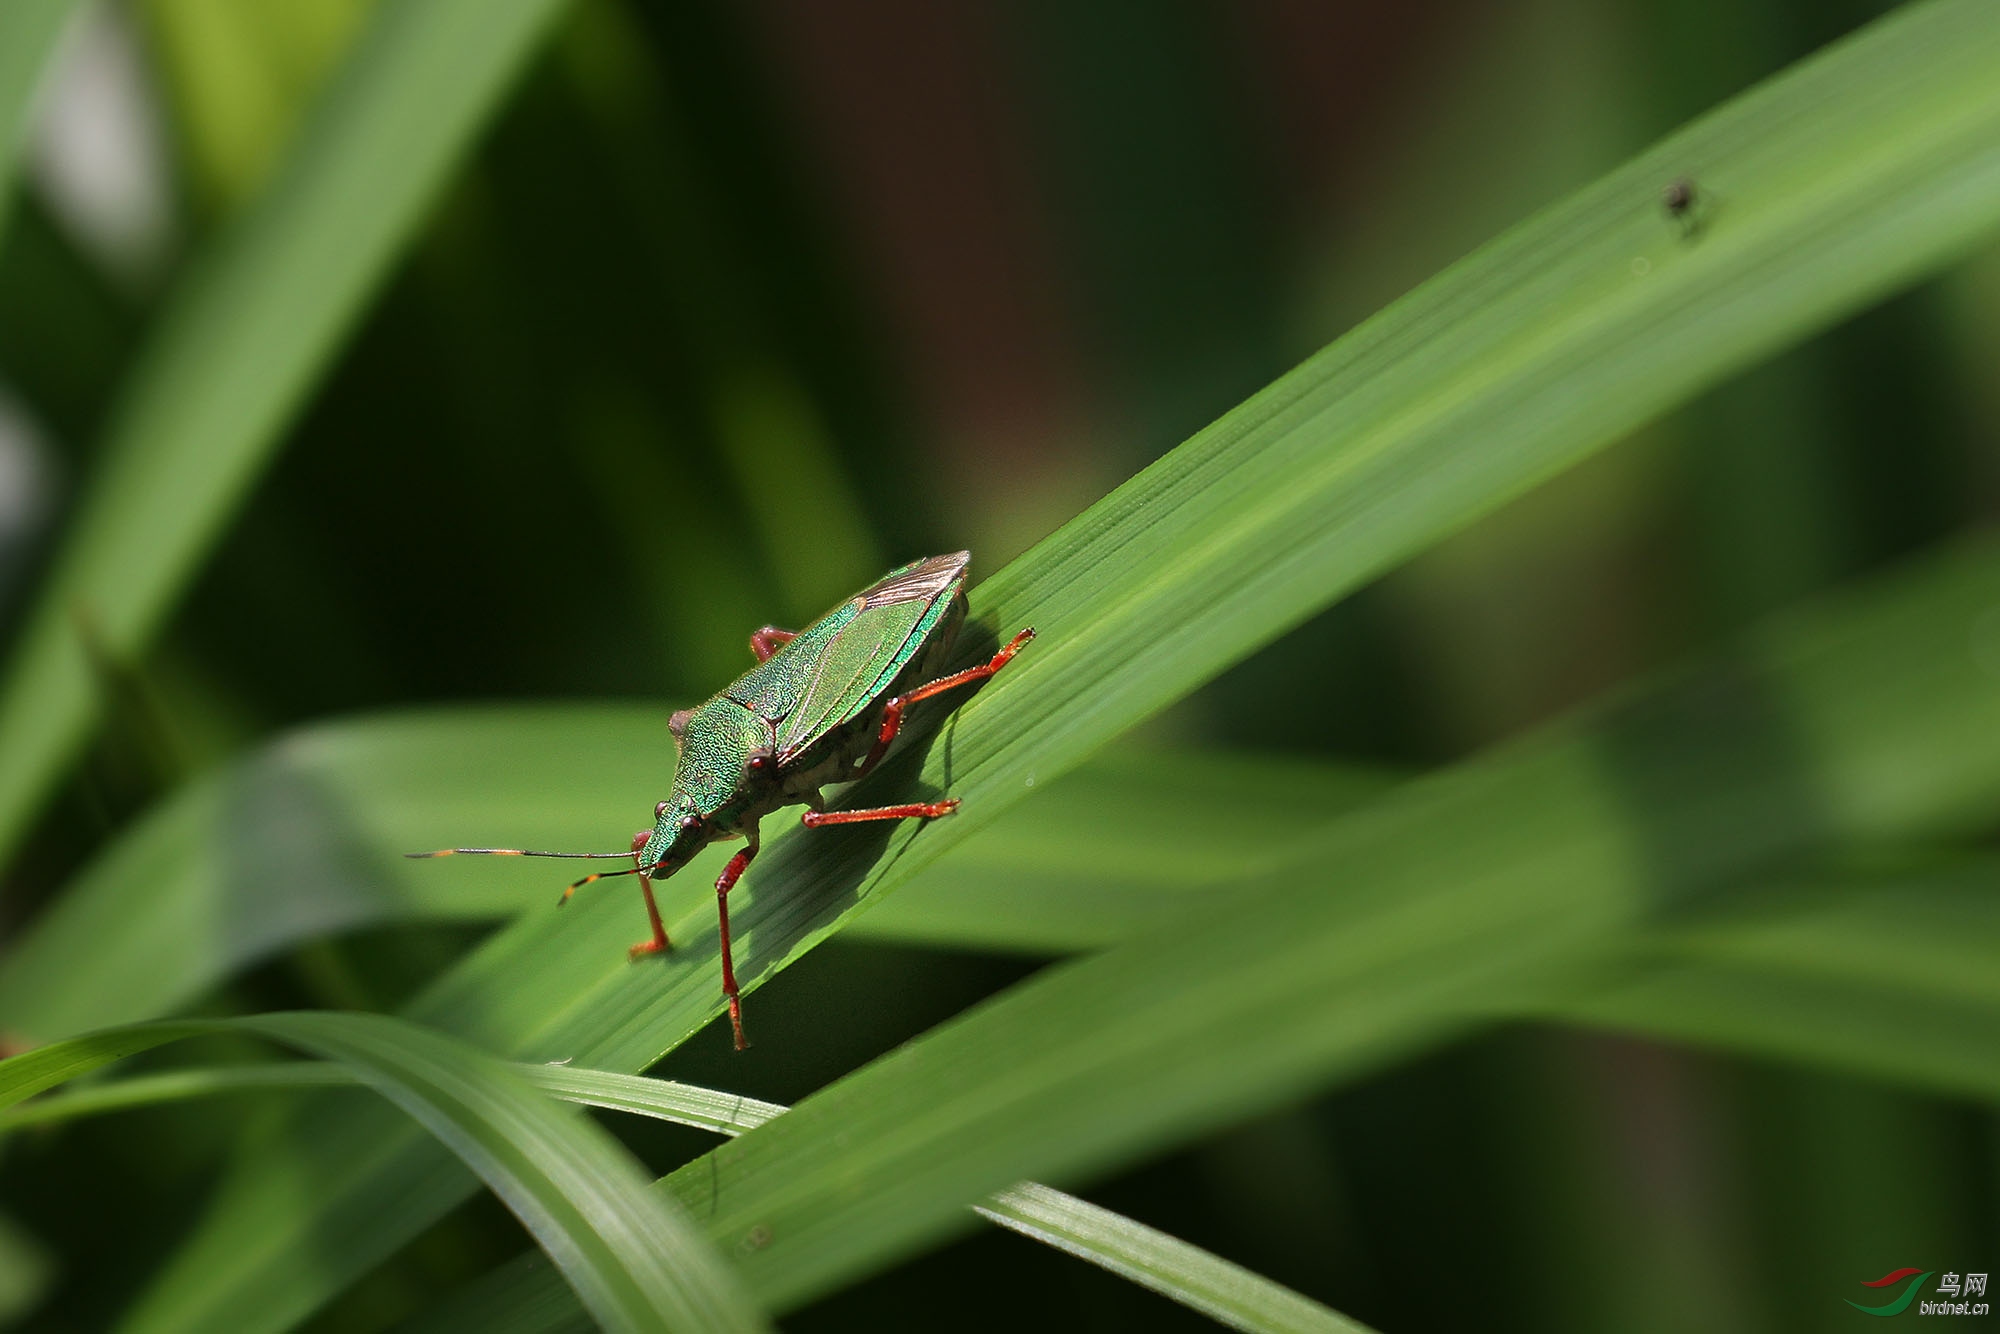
x=1683, y=201
x=822, y=706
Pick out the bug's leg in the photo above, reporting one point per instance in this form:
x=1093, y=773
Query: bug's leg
x=659, y=942
x=723, y=884
x=892, y=716
x=769, y=640
x=916, y=810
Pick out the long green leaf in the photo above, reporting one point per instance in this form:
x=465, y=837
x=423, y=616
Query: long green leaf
x=240, y=348
x=29, y=30
x=299, y=840
x=1460, y=895
x=1855, y=172
x=632, y=1256
x=1187, y=1274
x=1892, y=978
x=518, y=1298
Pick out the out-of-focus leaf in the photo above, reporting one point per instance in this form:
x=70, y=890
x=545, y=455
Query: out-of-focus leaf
x=241, y=72
x=299, y=840
x=1896, y=978
x=29, y=30
x=304, y=838
x=631, y=1255
x=239, y=348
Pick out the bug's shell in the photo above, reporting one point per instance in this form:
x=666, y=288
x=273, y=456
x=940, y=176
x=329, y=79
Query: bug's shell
x=804, y=707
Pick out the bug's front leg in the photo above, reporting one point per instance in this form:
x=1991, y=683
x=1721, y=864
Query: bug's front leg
x=769, y=640
x=723, y=884
x=659, y=943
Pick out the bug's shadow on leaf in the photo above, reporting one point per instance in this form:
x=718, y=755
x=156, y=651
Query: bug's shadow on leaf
x=816, y=875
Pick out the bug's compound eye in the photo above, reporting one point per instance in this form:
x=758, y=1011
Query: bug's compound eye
x=660, y=811
x=760, y=762
x=690, y=823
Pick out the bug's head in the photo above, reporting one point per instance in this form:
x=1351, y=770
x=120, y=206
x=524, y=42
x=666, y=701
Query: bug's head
x=678, y=833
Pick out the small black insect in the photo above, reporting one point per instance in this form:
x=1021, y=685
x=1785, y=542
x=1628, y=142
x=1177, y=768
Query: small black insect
x=1685, y=206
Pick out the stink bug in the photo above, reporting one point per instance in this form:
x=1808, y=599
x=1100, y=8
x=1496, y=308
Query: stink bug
x=821, y=707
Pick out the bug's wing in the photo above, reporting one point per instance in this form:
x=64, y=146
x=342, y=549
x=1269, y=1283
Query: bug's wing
x=774, y=688
x=857, y=662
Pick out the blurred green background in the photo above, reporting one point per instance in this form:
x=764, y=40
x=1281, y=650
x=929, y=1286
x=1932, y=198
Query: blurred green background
x=732, y=307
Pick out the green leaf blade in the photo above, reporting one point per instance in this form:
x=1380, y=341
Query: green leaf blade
x=635, y=1261
x=1224, y=1292
x=633, y=1258
x=1451, y=901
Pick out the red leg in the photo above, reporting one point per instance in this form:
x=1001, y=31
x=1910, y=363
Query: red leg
x=723, y=884
x=919, y=810
x=892, y=717
x=659, y=942
x=769, y=640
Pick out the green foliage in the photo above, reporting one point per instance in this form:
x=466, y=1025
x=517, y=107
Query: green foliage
x=629, y=1254
x=1763, y=852
x=520, y=1299
x=28, y=34
x=244, y=338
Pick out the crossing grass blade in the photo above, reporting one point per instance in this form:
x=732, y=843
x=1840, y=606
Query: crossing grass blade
x=239, y=348
x=523, y=1297
x=1225, y=1292
x=633, y=1258
x=1851, y=174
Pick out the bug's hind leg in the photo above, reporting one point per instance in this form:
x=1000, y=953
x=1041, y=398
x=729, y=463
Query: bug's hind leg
x=659, y=943
x=916, y=810
x=769, y=640
x=892, y=716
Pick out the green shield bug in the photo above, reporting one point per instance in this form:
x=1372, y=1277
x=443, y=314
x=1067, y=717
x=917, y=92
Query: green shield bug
x=820, y=707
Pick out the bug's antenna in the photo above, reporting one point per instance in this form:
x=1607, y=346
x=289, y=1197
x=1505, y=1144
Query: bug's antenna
x=606, y=875
x=510, y=852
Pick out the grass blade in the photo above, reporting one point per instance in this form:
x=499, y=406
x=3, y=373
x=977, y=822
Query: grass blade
x=1850, y=174
x=29, y=33
x=1227, y=1293
x=521, y=1298
x=239, y=349
x=1143, y=1255
x=1459, y=894
x=185, y=900
x=1775, y=753
x=632, y=1257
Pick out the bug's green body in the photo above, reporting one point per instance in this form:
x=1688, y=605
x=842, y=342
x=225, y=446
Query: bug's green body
x=810, y=710
x=820, y=707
